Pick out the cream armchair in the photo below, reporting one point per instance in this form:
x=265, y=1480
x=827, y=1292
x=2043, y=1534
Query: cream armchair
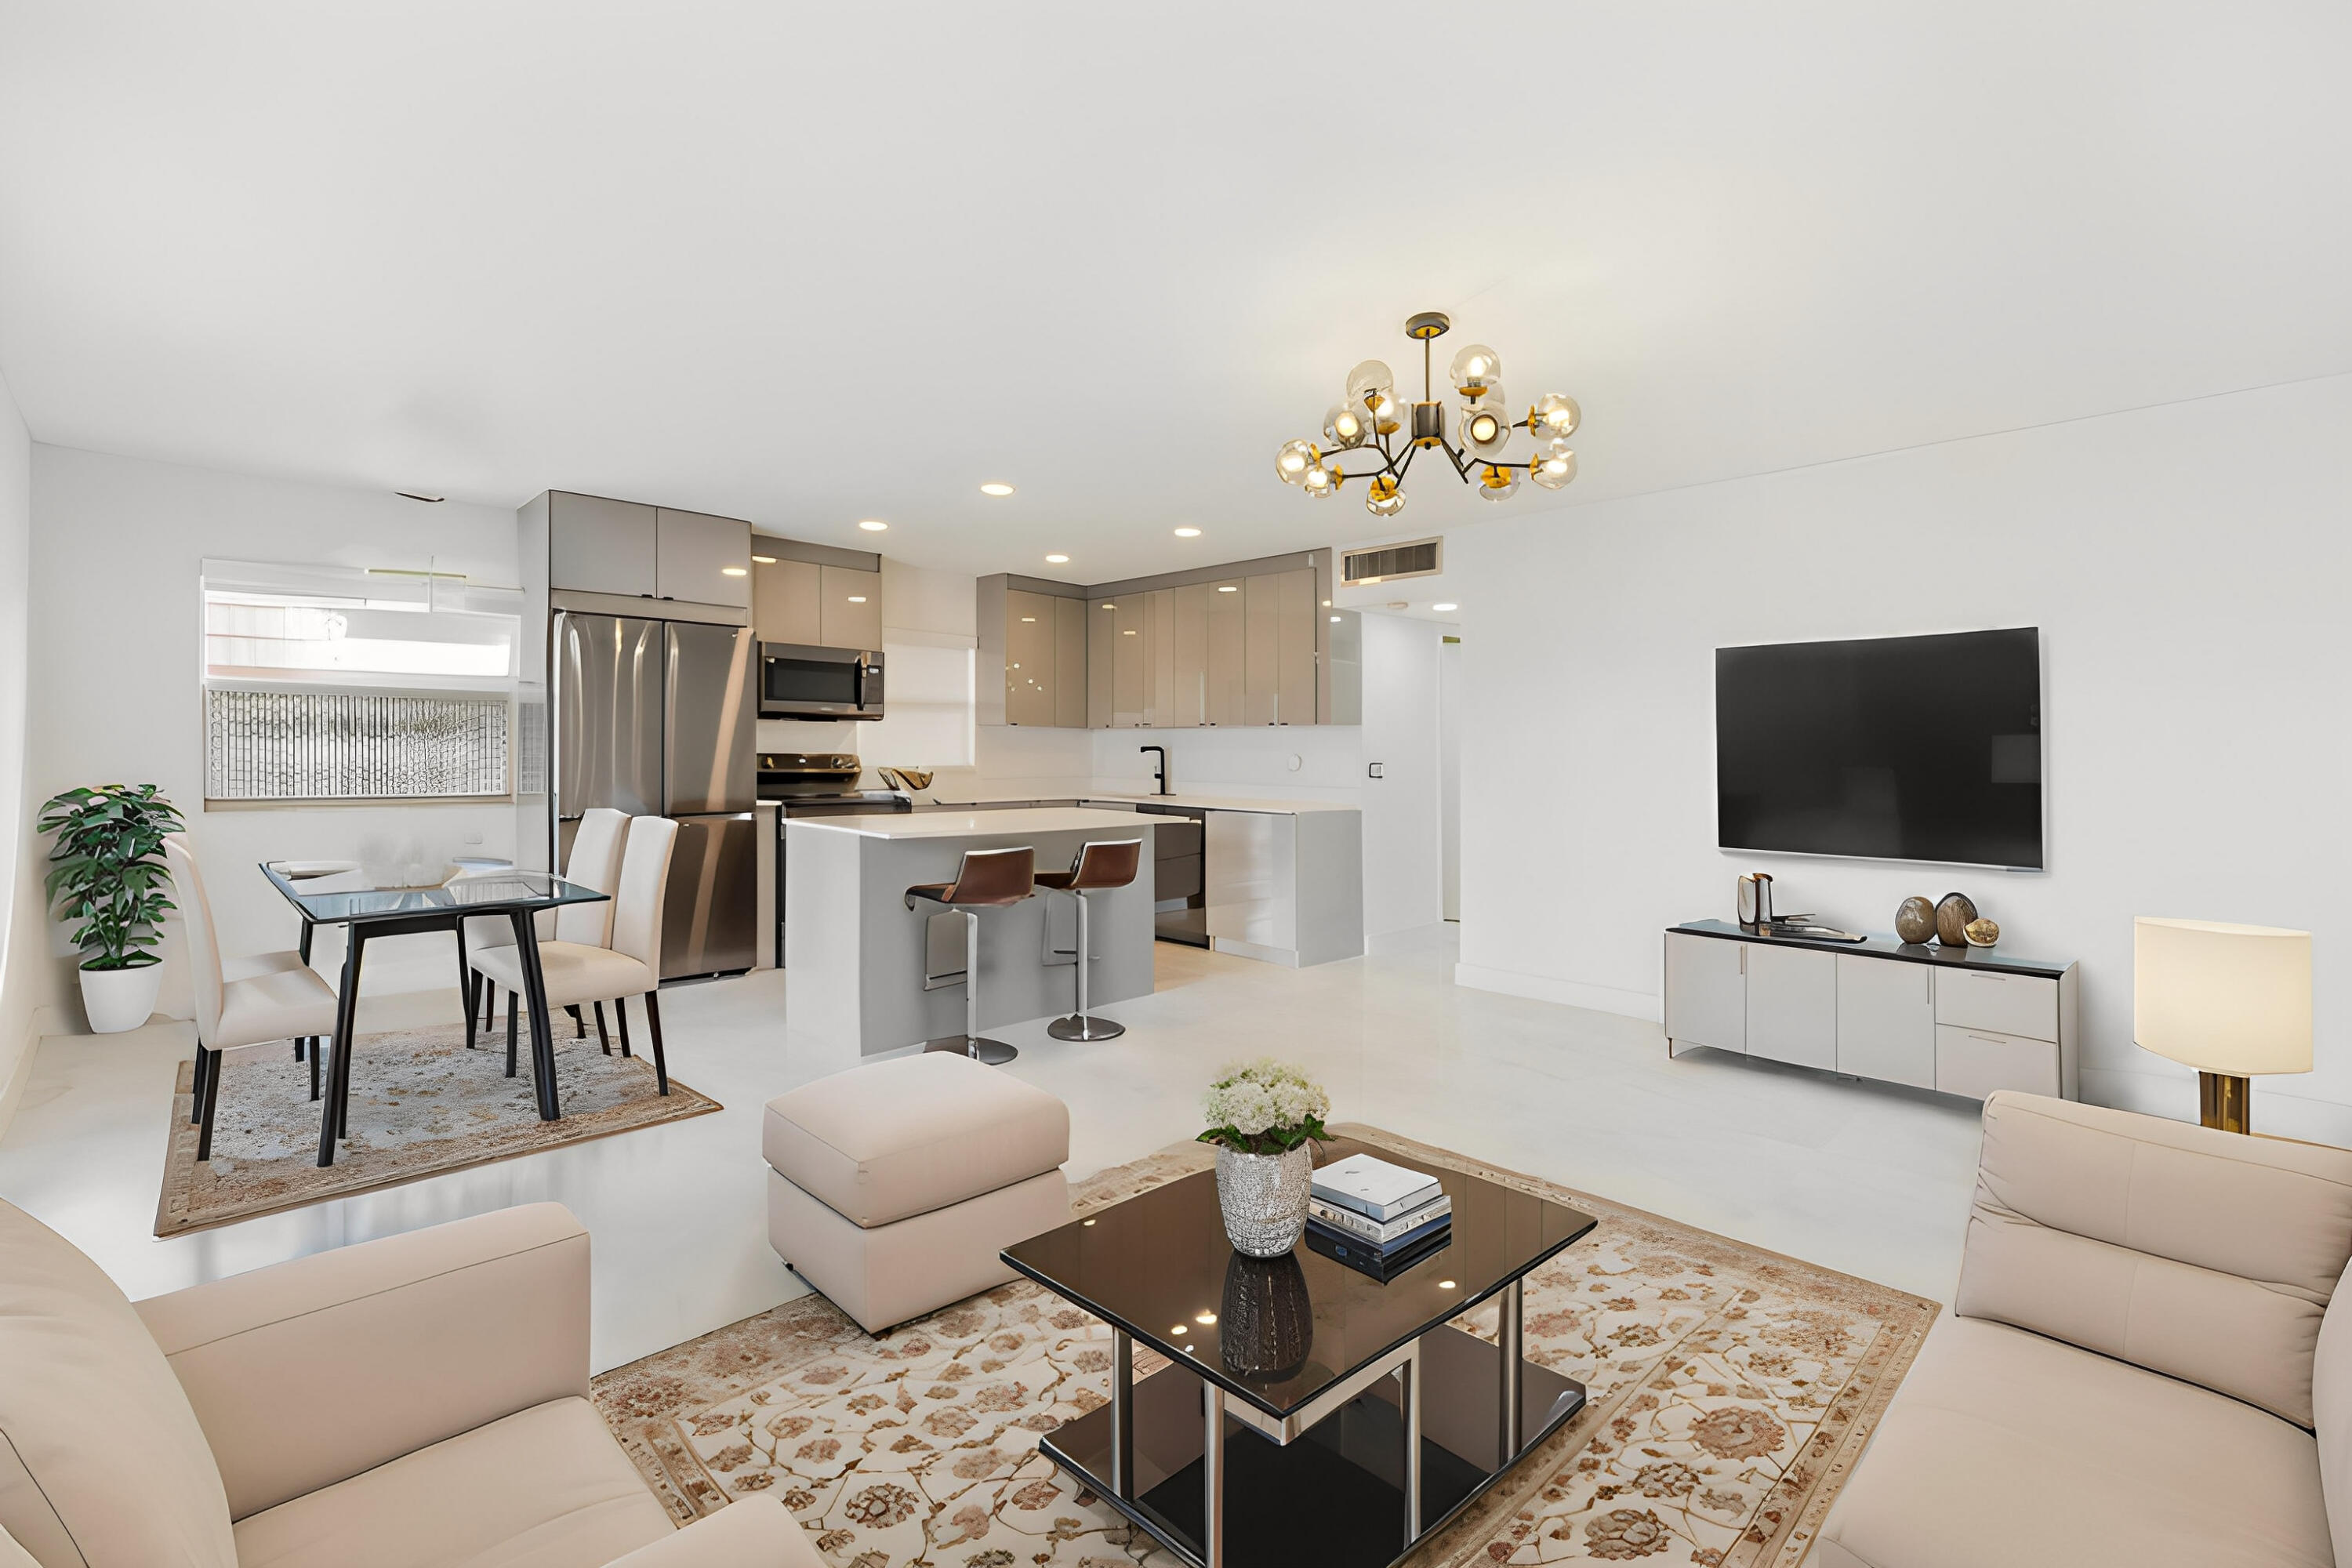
x=2148, y=1366
x=414, y=1400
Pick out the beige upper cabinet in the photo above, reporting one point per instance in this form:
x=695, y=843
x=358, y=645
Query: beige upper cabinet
x=1226, y=654
x=784, y=601
x=1261, y=648
x=1102, y=647
x=1032, y=668
x=1189, y=653
x=599, y=546
x=849, y=607
x=1069, y=663
x=702, y=559
x=1294, y=691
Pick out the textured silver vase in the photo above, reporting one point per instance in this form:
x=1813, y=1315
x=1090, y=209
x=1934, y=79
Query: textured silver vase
x=1264, y=1198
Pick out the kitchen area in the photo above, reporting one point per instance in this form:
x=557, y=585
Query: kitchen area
x=681, y=649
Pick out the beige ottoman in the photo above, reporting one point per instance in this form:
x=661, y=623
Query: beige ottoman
x=892, y=1188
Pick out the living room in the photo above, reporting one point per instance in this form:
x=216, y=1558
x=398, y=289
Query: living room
x=1318, y=1063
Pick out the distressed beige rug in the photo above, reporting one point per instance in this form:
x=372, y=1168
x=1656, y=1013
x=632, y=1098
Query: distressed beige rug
x=421, y=1104
x=1731, y=1390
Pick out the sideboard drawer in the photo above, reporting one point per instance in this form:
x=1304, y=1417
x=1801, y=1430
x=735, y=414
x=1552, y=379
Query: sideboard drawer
x=1975, y=1062
x=2003, y=1003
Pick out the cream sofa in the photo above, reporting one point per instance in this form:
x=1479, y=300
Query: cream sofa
x=2147, y=1363
x=413, y=1401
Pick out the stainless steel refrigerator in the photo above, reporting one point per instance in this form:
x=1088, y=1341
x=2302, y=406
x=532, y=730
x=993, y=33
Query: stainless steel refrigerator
x=657, y=717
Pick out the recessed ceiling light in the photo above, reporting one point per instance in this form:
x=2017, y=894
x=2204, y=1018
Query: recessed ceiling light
x=873, y=525
x=1441, y=609
x=1179, y=1329
x=1227, y=588
x=1188, y=533
x=996, y=487
x=735, y=571
x=1441, y=1284
x=427, y=497
x=1335, y=620
x=1204, y=1317
x=856, y=598
x=1056, y=560
x=763, y=560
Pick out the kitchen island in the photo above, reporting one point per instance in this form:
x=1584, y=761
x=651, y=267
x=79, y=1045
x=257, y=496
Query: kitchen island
x=864, y=968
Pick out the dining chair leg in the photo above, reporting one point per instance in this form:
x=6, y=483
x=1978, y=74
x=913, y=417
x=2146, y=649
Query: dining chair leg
x=579, y=1023
x=621, y=1015
x=510, y=1033
x=603, y=1038
x=473, y=1007
x=317, y=1049
x=489, y=1002
x=204, y=1115
x=196, y=1088
x=653, y=1028
x=298, y=1044
x=464, y=969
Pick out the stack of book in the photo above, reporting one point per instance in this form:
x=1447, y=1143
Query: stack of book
x=1375, y=1217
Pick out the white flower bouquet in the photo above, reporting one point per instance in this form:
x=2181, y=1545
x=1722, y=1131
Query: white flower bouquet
x=1263, y=1108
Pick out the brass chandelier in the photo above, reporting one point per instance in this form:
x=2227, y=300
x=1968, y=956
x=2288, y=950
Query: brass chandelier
x=1369, y=421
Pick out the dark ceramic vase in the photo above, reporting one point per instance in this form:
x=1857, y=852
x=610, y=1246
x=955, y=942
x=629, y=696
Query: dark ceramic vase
x=1268, y=1322
x=1953, y=913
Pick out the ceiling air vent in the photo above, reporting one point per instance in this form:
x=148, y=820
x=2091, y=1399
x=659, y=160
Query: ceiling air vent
x=1387, y=563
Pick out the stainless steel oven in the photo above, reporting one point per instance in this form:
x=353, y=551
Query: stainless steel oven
x=801, y=681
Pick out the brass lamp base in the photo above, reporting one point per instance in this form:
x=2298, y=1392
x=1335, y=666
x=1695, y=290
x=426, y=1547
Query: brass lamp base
x=2225, y=1102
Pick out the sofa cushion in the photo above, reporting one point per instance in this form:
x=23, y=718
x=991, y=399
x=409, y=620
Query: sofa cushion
x=2205, y=1255
x=101, y=1462
x=2003, y=1447
x=2331, y=1409
x=916, y=1133
x=544, y=1487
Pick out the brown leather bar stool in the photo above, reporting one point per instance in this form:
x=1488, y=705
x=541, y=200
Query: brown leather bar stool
x=985, y=880
x=1099, y=868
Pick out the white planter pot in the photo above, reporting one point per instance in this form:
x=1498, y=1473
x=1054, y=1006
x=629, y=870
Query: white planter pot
x=120, y=999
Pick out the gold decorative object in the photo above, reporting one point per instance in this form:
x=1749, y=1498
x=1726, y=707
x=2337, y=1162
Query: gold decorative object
x=1914, y=921
x=1953, y=913
x=1371, y=423
x=1981, y=932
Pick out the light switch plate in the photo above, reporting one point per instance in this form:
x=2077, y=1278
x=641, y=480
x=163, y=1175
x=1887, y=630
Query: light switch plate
x=1372, y=770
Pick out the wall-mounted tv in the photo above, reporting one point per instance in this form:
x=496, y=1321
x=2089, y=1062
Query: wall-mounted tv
x=1926, y=748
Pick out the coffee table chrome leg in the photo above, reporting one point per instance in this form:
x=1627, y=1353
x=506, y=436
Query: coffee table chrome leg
x=1409, y=1407
x=1122, y=1414
x=1213, y=1475
x=1507, y=1340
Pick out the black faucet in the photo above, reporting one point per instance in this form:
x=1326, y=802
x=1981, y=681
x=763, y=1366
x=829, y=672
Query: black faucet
x=1160, y=773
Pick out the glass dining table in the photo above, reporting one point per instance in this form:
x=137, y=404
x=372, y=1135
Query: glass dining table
x=367, y=912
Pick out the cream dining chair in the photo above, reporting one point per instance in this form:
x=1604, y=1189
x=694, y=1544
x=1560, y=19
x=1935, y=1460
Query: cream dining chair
x=594, y=862
x=240, y=1001
x=579, y=973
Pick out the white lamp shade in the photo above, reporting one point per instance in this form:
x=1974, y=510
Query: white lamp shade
x=2223, y=998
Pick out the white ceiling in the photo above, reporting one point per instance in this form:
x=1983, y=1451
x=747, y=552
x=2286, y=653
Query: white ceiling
x=811, y=264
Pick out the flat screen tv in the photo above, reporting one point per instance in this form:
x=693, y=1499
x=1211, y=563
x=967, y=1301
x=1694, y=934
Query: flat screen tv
x=1925, y=748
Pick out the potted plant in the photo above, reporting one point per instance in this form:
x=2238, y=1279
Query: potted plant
x=107, y=872
x=1262, y=1117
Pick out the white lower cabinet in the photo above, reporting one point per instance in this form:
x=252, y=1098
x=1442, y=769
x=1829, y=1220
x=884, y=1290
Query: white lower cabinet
x=1706, y=992
x=1975, y=1062
x=1792, y=1006
x=1886, y=1020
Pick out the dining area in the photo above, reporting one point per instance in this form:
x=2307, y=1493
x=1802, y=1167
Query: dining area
x=543, y=943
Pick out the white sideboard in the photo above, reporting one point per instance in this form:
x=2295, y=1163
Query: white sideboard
x=1963, y=1021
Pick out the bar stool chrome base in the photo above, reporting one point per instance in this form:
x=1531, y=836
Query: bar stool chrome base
x=995, y=1053
x=1084, y=1026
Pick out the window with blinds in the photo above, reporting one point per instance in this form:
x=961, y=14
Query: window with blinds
x=326, y=683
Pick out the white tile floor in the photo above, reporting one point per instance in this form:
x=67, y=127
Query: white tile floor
x=1863, y=1177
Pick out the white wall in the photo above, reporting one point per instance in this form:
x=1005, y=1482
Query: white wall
x=2188, y=566
x=117, y=626
x=20, y=870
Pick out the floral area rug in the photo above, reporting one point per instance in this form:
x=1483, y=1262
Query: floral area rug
x=1730, y=1391
x=421, y=1104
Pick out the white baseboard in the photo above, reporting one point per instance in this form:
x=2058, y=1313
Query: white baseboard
x=1286, y=957
x=1567, y=992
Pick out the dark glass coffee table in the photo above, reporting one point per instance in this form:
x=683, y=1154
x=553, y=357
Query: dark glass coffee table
x=1314, y=1415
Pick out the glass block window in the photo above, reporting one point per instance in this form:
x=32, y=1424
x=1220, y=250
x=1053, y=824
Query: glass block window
x=323, y=745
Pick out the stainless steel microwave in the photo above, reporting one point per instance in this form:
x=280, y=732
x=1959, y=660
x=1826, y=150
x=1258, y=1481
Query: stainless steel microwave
x=801, y=681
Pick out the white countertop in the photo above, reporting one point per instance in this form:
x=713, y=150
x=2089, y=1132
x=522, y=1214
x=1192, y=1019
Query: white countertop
x=970, y=824
x=1190, y=802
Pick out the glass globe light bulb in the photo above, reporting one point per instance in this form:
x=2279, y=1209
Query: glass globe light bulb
x=1369, y=381
x=1385, y=499
x=1553, y=470
x=1475, y=369
x=1321, y=481
x=1485, y=424
x=1496, y=483
x=1296, y=460
x=1347, y=425
x=1556, y=417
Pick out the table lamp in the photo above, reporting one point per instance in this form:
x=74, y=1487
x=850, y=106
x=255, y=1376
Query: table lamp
x=2228, y=1000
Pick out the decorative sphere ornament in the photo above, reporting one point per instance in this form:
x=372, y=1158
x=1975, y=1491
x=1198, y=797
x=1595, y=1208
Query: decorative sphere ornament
x=1953, y=913
x=1914, y=921
x=1982, y=932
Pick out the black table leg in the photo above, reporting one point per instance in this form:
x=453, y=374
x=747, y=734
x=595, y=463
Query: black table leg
x=315, y=1047
x=543, y=1032
x=603, y=1038
x=339, y=1071
x=304, y=944
x=653, y=1026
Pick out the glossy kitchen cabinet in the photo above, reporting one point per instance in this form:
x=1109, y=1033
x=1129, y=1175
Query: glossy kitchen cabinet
x=701, y=559
x=849, y=607
x=600, y=546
